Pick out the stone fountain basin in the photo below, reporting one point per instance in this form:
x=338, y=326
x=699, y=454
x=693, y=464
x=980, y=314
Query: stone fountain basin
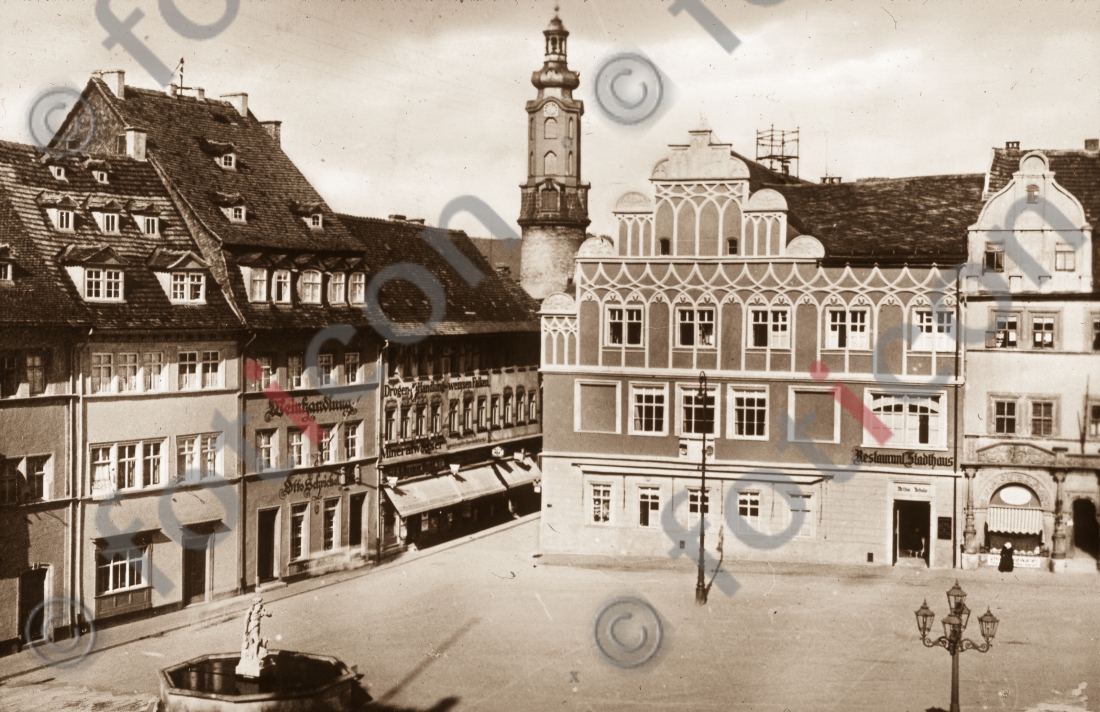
x=290, y=682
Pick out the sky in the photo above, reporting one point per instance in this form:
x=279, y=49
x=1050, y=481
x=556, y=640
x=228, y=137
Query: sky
x=400, y=107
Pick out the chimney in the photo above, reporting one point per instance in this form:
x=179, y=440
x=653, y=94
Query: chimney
x=1092, y=144
x=116, y=81
x=135, y=143
x=397, y=218
x=275, y=130
x=1012, y=145
x=416, y=221
x=239, y=102
x=200, y=93
x=173, y=90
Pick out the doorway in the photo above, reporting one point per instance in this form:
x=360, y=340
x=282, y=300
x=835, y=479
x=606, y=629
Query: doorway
x=32, y=594
x=912, y=521
x=266, y=545
x=1086, y=530
x=195, y=549
x=355, y=519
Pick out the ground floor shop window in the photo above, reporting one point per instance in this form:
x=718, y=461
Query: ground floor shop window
x=298, y=532
x=601, y=504
x=118, y=570
x=331, y=528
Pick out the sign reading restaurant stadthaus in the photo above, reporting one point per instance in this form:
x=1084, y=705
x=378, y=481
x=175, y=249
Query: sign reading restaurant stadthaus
x=905, y=458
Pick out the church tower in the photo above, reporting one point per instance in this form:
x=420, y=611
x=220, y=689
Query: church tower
x=554, y=206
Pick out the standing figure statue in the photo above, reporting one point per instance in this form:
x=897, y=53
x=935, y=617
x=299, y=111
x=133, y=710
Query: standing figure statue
x=253, y=647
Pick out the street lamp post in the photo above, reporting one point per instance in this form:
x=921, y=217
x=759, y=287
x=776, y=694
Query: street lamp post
x=700, y=582
x=954, y=623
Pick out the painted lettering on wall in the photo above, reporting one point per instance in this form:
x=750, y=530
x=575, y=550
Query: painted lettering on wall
x=291, y=408
x=906, y=458
x=311, y=484
x=419, y=388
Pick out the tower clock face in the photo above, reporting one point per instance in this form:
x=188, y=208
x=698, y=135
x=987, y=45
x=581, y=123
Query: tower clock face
x=551, y=109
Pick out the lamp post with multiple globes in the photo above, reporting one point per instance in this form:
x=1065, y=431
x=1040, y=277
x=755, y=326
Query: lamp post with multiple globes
x=954, y=623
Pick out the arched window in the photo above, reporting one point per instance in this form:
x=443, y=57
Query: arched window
x=666, y=246
x=569, y=166
x=531, y=128
x=548, y=200
x=1015, y=515
x=550, y=128
x=1033, y=193
x=531, y=163
x=731, y=246
x=550, y=163
x=570, y=128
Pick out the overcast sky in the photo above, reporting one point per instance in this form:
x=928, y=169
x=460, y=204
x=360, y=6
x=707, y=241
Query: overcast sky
x=398, y=107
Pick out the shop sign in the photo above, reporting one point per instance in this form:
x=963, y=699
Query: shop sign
x=311, y=407
x=311, y=484
x=905, y=458
x=421, y=388
x=420, y=446
x=912, y=489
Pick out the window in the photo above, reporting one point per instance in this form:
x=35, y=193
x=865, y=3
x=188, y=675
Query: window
x=311, y=287
x=1065, y=260
x=406, y=421
x=649, y=410
x=1033, y=193
x=267, y=372
x=211, y=367
x=36, y=478
x=5, y=271
x=150, y=464
x=150, y=225
x=481, y=412
x=601, y=504
x=153, y=371
x=103, y=373
x=127, y=467
x=281, y=293
x=357, y=291
x=294, y=371
x=208, y=456
x=121, y=570
x=1096, y=332
x=351, y=441
x=100, y=176
x=1007, y=331
x=935, y=331
x=65, y=220
x=994, y=258
x=649, y=506
x=1004, y=417
x=103, y=284
x=532, y=413
x=507, y=408
x=468, y=414
x=332, y=506
x=697, y=414
x=127, y=372
x=186, y=458
x=9, y=376
x=9, y=482
x=326, y=371
x=336, y=283
x=1042, y=418
x=109, y=223
x=521, y=406
x=770, y=329
x=800, y=503
x=265, y=446
x=316, y=221
x=389, y=429
x=1042, y=332
x=187, y=287
x=847, y=330
x=1094, y=420
x=550, y=128
x=437, y=417
x=696, y=327
x=326, y=453
x=227, y=160
x=421, y=419
x=624, y=331
x=58, y=172
x=665, y=246
x=912, y=419
x=257, y=291
x=36, y=374
x=731, y=246
x=351, y=367
x=748, y=506
x=550, y=165
x=295, y=450
x=694, y=497
x=298, y=530
x=452, y=417
x=101, y=465
x=750, y=414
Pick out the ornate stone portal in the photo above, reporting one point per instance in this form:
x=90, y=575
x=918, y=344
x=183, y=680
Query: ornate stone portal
x=253, y=647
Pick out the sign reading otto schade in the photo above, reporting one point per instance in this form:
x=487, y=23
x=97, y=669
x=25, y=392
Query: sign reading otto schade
x=904, y=458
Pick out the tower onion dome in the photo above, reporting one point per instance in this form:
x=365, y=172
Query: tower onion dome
x=555, y=71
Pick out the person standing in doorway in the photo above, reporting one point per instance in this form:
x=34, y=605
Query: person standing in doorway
x=1006, y=558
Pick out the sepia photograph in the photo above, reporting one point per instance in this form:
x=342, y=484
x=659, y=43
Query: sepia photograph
x=594, y=355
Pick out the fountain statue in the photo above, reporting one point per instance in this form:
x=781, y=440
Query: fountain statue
x=253, y=647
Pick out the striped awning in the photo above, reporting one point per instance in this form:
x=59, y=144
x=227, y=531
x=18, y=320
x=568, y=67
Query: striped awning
x=411, y=498
x=478, y=482
x=1015, y=520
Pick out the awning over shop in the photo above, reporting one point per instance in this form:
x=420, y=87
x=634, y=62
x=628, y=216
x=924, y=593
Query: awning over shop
x=478, y=482
x=1015, y=520
x=516, y=474
x=415, y=497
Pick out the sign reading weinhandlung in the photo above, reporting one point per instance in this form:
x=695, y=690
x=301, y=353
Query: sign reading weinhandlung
x=309, y=407
x=905, y=458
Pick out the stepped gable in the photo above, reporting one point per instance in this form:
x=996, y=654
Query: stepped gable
x=918, y=221
x=493, y=306
x=42, y=293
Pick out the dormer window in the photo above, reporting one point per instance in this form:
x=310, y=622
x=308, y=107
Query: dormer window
x=58, y=172
x=5, y=271
x=237, y=214
x=188, y=287
x=336, y=284
x=229, y=160
x=103, y=285
x=311, y=287
x=150, y=225
x=281, y=286
x=357, y=292
x=100, y=176
x=257, y=289
x=63, y=219
x=315, y=221
x=108, y=223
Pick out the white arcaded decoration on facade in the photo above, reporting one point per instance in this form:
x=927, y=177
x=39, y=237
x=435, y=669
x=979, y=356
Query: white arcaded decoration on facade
x=701, y=159
x=633, y=202
x=767, y=200
x=805, y=246
x=559, y=303
x=596, y=246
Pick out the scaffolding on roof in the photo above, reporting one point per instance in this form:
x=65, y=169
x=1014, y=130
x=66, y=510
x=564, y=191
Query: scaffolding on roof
x=778, y=149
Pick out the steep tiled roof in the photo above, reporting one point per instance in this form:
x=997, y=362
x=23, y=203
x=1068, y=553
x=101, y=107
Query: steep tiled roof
x=495, y=304
x=915, y=220
x=42, y=292
x=1076, y=171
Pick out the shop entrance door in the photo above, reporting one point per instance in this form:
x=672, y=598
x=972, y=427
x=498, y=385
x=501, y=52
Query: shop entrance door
x=912, y=522
x=1086, y=530
x=194, y=569
x=389, y=525
x=32, y=593
x=265, y=545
